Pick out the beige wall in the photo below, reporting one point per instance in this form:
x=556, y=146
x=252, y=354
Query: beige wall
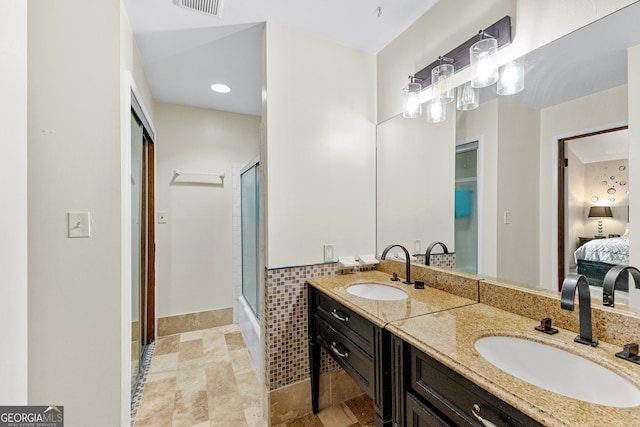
x=634, y=159
x=130, y=60
x=13, y=192
x=194, y=247
x=320, y=148
x=575, y=205
x=518, y=171
x=415, y=159
x=75, y=307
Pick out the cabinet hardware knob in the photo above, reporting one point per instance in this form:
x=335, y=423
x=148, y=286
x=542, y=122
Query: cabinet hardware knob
x=475, y=411
x=341, y=317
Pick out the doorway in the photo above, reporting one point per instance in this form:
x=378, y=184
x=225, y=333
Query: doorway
x=466, y=207
x=591, y=174
x=142, y=245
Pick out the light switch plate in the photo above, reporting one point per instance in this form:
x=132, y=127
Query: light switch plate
x=79, y=224
x=162, y=217
x=417, y=246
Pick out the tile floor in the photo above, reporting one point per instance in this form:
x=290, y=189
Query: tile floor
x=206, y=379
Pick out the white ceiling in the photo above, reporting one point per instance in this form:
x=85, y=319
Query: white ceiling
x=184, y=52
x=602, y=147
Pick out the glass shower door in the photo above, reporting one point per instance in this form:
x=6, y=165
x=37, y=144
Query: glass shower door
x=250, y=218
x=466, y=207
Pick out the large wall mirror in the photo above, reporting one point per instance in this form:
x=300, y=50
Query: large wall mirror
x=485, y=182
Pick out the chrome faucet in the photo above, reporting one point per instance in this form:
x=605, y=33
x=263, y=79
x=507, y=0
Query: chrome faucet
x=407, y=258
x=567, y=301
x=611, y=279
x=427, y=254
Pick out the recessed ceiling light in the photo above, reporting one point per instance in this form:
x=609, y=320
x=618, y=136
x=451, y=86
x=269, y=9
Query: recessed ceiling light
x=220, y=88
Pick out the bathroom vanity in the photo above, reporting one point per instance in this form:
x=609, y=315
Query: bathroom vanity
x=359, y=347
x=416, y=357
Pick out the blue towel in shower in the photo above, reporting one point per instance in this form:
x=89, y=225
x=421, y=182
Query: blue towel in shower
x=463, y=205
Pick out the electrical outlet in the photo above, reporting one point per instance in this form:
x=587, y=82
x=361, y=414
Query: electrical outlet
x=417, y=246
x=328, y=253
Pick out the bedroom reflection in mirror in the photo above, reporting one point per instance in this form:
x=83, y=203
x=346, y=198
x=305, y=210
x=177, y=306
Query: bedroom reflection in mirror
x=595, y=207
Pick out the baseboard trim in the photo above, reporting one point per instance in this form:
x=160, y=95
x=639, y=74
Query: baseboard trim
x=194, y=321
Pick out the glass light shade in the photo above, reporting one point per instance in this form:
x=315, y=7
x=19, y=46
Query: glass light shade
x=441, y=83
x=482, y=56
x=436, y=111
x=411, y=106
x=468, y=97
x=511, y=78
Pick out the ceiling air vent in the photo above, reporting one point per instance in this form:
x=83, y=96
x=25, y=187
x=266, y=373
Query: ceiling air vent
x=210, y=7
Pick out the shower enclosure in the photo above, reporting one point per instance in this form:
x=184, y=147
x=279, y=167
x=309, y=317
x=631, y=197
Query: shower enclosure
x=249, y=301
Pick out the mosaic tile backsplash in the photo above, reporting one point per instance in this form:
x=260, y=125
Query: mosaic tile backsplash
x=440, y=260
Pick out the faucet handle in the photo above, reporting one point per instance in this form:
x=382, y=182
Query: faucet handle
x=630, y=353
x=545, y=326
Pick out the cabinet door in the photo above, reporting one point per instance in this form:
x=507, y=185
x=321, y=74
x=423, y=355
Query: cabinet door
x=419, y=415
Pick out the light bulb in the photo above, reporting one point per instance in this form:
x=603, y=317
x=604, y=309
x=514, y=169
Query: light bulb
x=511, y=78
x=436, y=111
x=411, y=106
x=483, y=66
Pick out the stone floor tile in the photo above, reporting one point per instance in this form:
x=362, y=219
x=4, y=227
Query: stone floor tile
x=167, y=345
x=337, y=416
x=190, y=350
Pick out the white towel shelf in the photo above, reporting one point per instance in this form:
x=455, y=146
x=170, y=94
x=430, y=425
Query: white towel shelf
x=198, y=177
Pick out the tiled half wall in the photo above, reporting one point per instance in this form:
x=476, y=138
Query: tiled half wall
x=284, y=326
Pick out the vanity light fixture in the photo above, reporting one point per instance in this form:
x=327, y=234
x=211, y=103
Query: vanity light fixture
x=441, y=80
x=468, y=97
x=220, y=88
x=411, y=106
x=436, y=111
x=511, y=78
x=482, y=56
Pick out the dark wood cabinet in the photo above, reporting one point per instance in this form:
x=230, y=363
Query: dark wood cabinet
x=360, y=348
x=435, y=395
x=408, y=387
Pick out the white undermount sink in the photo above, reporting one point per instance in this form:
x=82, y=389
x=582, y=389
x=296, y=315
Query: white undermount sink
x=377, y=291
x=559, y=371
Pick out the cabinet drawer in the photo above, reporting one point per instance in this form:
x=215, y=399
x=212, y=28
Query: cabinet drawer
x=455, y=397
x=419, y=415
x=352, y=359
x=355, y=327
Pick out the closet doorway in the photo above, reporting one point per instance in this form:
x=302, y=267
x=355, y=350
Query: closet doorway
x=142, y=244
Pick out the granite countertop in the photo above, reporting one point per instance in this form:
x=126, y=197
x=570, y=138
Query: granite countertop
x=445, y=327
x=449, y=338
x=380, y=313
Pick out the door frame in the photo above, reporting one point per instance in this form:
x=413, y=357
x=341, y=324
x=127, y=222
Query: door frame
x=561, y=219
